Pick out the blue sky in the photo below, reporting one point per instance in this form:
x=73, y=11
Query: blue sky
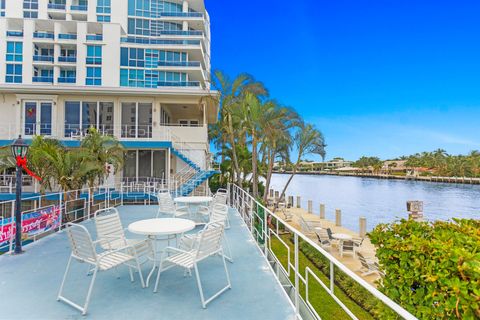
x=383, y=78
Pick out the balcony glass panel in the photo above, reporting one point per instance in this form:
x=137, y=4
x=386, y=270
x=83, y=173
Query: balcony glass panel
x=66, y=80
x=179, y=63
x=79, y=7
x=182, y=14
x=43, y=79
x=67, y=36
x=159, y=41
x=94, y=37
x=182, y=33
x=67, y=59
x=43, y=58
x=43, y=35
x=179, y=84
x=56, y=6
x=14, y=33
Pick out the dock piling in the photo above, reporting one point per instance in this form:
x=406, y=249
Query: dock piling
x=338, y=217
x=310, y=206
x=363, y=227
x=299, y=204
x=322, y=211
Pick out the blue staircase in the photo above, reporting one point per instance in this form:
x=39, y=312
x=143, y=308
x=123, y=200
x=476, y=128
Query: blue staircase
x=197, y=179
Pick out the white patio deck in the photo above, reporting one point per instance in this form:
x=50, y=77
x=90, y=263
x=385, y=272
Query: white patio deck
x=29, y=284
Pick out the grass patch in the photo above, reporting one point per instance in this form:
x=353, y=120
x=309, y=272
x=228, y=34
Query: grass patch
x=323, y=303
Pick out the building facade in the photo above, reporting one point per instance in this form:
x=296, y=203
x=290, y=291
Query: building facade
x=135, y=69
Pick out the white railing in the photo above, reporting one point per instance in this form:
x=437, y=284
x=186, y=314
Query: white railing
x=263, y=234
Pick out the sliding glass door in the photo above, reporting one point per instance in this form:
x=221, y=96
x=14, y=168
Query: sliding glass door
x=136, y=120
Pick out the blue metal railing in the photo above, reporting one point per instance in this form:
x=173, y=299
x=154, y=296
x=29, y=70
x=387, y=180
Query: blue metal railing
x=43, y=35
x=67, y=80
x=43, y=58
x=14, y=33
x=182, y=14
x=67, y=36
x=43, y=79
x=56, y=6
x=139, y=40
x=182, y=33
x=179, y=63
x=78, y=7
x=179, y=84
x=67, y=59
x=94, y=37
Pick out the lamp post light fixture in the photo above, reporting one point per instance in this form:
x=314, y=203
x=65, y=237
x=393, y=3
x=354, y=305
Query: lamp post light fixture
x=19, y=150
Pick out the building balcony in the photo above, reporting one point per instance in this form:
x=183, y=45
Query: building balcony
x=44, y=35
x=67, y=80
x=67, y=36
x=182, y=14
x=78, y=7
x=140, y=40
x=182, y=33
x=42, y=79
x=67, y=59
x=94, y=37
x=41, y=58
x=56, y=6
x=179, y=84
x=15, y=34
x=179, y=63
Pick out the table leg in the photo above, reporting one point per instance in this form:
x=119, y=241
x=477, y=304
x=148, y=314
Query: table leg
x=154, y=239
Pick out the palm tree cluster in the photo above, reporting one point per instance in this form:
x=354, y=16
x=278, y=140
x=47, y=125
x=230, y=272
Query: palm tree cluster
x=70, y=169
x=369, y=163
x=444, y=164
x=254, y=131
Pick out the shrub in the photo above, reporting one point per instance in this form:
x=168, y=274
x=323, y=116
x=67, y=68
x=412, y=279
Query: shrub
x=432, y=269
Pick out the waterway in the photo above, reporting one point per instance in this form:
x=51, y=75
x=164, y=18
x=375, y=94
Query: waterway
x=380, y=200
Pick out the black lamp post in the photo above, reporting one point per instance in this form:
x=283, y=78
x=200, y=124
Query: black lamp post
x=19, y=149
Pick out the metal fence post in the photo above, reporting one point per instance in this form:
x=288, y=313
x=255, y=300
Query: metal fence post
x=297, y=282
x=332, y=277
x=12, y=234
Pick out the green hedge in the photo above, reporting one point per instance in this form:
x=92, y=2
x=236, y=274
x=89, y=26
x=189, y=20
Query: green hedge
x=432, y=269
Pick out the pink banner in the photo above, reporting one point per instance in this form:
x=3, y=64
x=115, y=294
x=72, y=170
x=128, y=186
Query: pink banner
x=32, y=224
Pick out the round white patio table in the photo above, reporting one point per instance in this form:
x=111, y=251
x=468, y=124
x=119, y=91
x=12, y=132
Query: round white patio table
x=154, y=228
x=341, y=237
x=192, y=203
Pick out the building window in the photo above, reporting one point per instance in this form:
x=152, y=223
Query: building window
x=30, y=9
x=94, y=54
x=103, y=10
x=154, y=28
x=81, y=116
x=14, y=51
x=145, y=164
x=136, y=120
x=94, y=76
x=152, y=8
x=14, y=73
x=2, y=8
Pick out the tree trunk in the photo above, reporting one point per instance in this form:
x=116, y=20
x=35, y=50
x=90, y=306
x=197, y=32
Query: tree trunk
x=269, y=175
x=234, y=151
x=254, y=166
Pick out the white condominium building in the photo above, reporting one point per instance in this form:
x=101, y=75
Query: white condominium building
x=135, y=69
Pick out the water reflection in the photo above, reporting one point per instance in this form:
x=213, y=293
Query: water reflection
x=382, y=200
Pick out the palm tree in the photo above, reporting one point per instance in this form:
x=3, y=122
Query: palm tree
x=102, y=151
x=232, y=93
x=308, y=140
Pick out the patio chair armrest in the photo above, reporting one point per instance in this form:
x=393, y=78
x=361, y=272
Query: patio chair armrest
x=173, y=249
x=110, y=252
x=203, y=210
x=181, y=208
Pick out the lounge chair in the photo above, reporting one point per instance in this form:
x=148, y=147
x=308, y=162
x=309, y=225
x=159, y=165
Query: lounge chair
x=308, y=226
x=323, y=238
x=369, y=266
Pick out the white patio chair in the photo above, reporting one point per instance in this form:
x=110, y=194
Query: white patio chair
x=219, y=214
x=83, y=251
x=208, y=245
x=167, y=206
x=111, y=236
x=369, y=266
